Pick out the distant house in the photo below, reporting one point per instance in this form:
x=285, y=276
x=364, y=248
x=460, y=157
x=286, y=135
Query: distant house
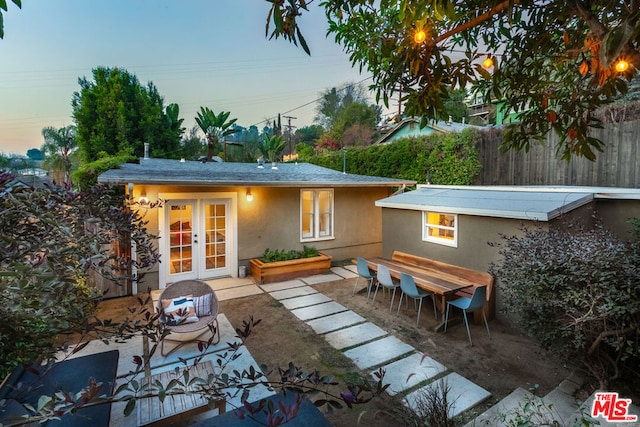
x=217, y=216
x=410, y=127
x=454, y=224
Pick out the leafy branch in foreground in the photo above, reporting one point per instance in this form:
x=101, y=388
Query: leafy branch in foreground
x=48, y=256
x=223, y=383
x=554, y=63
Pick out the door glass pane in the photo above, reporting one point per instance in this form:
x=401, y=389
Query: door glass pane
x=215, y=231
x=180, y=238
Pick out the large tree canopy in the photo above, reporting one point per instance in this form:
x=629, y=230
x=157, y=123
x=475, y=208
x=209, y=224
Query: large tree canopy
x=115, y=114
x=555, y=62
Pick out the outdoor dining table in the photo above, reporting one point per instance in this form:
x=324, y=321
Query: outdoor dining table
x=442, y=285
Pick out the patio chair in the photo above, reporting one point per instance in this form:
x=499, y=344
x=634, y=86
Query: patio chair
x=364, y=272
x=196, y=309
x=409, y=288
x=385, y=280
x=476, y=302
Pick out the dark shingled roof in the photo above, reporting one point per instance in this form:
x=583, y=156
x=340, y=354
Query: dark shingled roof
x=174, y=172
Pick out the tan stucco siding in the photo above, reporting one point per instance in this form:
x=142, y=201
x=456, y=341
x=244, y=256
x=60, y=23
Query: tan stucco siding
x=272, y=220
x=402, y=230
x=615, y=214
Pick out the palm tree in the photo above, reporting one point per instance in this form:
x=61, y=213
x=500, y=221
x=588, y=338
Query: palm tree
x=271, y=147
x=58, y=146
x=215, y=127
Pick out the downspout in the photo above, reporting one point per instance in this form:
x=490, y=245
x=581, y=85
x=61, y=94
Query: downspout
x=134, y=270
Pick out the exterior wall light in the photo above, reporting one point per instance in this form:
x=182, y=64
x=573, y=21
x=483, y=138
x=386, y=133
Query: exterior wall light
x=143, y=199
x=249, y=195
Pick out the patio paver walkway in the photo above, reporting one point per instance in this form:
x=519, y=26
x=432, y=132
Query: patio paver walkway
x=369, y=346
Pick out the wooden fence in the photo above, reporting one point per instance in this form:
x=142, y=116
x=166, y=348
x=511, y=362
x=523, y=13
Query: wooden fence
x=617, y=166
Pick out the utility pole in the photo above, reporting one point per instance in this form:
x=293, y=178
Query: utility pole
x=289, y=128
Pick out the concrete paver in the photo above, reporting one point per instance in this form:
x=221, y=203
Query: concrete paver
x=293, y=292
x=321, y=278
x=228, y=282
x=408, y=372
x=239, y=292
x=462, y=394
x=378, y=352
x=278, y=286
x=336, y=321
x=305, y=301
x=319, y=310
x=354, y=335
x=344, y=273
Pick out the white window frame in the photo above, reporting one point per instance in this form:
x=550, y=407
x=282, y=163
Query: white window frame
x=439, y=240
x=316, y=215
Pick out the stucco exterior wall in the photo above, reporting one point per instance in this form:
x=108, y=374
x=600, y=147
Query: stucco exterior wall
x=272, y=220
x=402, y=230
x=615, y=214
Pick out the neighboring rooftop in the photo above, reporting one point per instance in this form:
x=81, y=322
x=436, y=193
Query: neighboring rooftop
x=175, y=172
x=531, y=203
x=409, y=127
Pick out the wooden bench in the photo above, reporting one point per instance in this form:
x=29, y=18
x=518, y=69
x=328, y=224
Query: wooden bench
x=454, y=273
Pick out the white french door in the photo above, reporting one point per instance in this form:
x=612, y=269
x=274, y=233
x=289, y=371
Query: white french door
x=200, y=239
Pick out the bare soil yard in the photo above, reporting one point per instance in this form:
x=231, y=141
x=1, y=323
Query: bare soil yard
x=500, y=364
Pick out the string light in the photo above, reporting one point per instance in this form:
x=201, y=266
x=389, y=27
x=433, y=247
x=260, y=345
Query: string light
x=488, y=62
x=419, y=36
x=621, y=66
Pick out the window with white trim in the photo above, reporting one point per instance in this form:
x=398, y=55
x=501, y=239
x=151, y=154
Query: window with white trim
x=316, y=214
x=441, y=228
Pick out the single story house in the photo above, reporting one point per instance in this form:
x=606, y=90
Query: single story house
x=215, y=217
x=409, y=127
x=454, y=224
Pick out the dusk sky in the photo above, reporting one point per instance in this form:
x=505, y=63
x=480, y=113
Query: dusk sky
x=209, y=53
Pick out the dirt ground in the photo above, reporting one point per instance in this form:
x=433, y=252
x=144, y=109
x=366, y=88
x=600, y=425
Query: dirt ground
x=499, y=364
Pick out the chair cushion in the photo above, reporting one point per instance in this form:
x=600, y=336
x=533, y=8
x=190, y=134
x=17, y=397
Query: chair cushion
x=203, y=305
x=179, y=310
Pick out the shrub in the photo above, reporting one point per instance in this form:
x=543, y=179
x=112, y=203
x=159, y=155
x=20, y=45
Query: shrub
x=283, y=255
x=577, y=292
x=438, y=158
x=87, y=174
x=46, y=255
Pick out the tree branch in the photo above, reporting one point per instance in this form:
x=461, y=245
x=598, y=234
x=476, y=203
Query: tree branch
x=605, y=334
x=475, y=21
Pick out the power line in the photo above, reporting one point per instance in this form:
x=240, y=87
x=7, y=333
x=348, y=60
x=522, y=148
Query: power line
x=345, y=87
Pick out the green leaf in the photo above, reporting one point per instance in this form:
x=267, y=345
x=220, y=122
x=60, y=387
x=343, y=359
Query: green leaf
x=131, y=405
x=303, y=42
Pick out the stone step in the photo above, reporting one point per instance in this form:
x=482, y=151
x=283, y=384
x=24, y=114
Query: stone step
x=505, y=412
x=354, y=335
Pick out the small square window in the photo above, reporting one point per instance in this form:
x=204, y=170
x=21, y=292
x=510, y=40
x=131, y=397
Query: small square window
x=440, y=228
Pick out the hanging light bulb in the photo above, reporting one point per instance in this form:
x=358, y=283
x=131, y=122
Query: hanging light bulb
x=621, y=66
x=488, y=62
x=419, y=36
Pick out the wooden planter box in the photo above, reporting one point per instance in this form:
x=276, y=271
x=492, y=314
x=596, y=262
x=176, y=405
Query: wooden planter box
x=285, y=270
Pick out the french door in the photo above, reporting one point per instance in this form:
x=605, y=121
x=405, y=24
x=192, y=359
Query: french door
x=199, y=241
